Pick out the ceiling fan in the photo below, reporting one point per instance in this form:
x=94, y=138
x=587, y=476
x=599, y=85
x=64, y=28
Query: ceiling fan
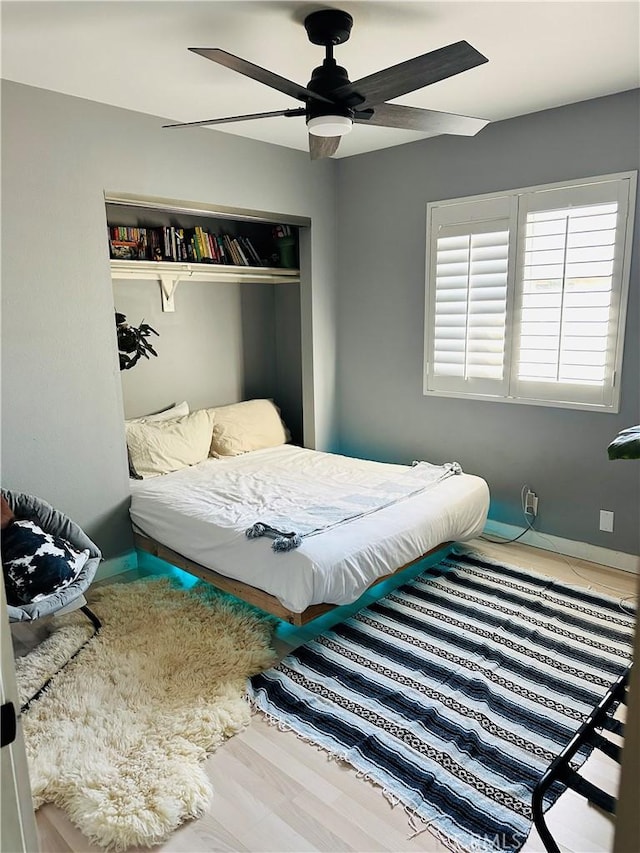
x=333, y=104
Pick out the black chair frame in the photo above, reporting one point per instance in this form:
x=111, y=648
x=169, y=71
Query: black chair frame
x=97, y=625
x=560, y=769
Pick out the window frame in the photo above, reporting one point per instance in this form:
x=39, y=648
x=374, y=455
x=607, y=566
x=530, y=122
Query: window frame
x=516, y=218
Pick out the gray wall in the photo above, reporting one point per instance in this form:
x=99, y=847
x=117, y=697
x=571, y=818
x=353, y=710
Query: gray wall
x=288, y=364
x=560, y=453
x=62, y=400
x=200, y=345
x=361, y=305
x=219, y=341
x=223, y=343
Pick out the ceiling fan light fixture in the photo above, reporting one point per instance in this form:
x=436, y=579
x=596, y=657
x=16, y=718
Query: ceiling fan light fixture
x=332, y=125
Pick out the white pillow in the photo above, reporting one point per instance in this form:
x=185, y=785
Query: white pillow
x=159, y=447
x=241, y=427
x=178, y=410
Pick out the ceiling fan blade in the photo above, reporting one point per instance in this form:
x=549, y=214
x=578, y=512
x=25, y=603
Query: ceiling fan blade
x=258, y=73
x=297, y=112
x=323, y=146
x=426, y=121
x=411, y=75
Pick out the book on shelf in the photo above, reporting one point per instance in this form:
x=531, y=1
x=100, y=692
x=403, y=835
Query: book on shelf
x=250, y=251
x=222, y=252
x=202, y=242
x=216, y=255
x=192, y=245
x=124, y=250
x=240, y=251
x=229, y=249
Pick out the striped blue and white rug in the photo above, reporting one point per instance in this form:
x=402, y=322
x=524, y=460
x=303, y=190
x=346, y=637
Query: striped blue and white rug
x=455, y=692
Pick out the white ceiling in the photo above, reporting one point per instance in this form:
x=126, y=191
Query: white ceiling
x=134, y=55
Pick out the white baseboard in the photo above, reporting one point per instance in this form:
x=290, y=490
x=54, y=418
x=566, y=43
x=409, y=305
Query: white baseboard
x=581, y=550
x=117, y=565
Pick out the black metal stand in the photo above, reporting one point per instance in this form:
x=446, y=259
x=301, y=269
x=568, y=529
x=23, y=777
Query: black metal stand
x=97, y=624
x=560, y=771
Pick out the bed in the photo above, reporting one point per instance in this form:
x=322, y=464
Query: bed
x=197, y=518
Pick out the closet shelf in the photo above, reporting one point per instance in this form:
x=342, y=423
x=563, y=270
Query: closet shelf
x=169, y=273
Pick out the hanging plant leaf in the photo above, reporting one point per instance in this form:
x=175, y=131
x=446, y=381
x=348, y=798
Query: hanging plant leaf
x=132, y=341
x=626, y=445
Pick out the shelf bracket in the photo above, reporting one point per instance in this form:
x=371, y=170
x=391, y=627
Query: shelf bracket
x=168, y=284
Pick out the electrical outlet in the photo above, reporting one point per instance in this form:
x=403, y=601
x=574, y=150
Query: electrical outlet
x=606, y=521
x=531, y=503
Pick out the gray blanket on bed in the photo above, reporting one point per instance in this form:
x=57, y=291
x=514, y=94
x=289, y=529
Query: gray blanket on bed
x=288, y=533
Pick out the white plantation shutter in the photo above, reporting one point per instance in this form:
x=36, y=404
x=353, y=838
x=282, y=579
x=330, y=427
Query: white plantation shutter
x=571, y=250
x=468, y=305
x=526, y=293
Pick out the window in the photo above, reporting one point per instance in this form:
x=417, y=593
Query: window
x=526, y=293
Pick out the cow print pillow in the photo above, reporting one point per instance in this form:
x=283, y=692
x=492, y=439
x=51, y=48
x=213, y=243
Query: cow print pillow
x=36, y=564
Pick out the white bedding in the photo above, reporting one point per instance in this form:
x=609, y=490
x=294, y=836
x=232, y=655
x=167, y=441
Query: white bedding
x=203, y=512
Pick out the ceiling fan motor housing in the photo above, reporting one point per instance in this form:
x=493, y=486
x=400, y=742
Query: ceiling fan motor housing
x=325, y=80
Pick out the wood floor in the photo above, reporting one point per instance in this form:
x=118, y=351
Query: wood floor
x=273, y=792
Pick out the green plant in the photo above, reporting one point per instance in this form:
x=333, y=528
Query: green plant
x=626, y=445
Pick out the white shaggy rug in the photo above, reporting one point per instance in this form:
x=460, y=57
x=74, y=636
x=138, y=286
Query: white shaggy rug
x=119, y=738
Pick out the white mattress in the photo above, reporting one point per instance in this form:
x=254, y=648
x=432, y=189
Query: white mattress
x=203, y=511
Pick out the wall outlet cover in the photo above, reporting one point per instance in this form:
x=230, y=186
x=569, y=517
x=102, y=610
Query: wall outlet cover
x=606, y=521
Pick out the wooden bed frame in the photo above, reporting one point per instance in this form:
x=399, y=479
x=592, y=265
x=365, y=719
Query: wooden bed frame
x=251, y=594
